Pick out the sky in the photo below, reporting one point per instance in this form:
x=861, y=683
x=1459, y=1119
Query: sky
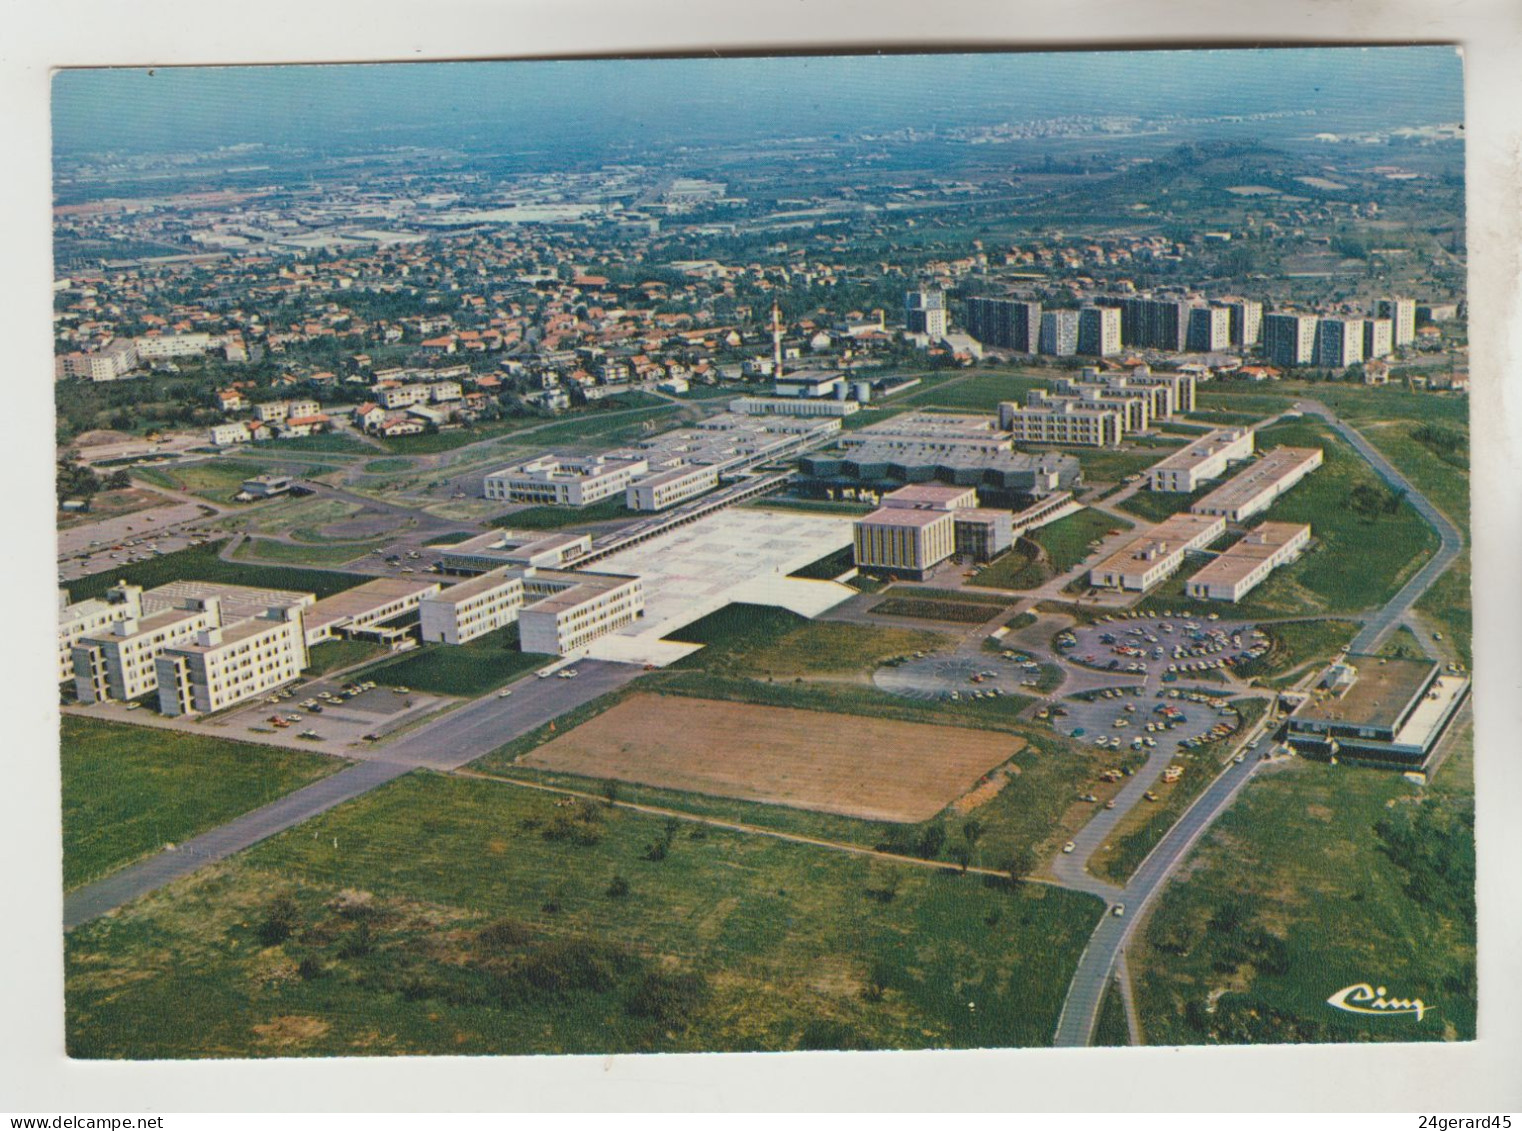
x=539, y=104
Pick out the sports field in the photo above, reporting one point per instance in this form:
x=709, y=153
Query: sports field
x=876, y=769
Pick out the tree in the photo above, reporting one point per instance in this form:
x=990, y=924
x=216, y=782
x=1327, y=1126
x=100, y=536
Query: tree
x=1018, y=865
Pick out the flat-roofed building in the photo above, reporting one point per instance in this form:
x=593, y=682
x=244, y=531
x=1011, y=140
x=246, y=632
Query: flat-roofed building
x=363, y=612
x=1201, y=460
x=223, y=666
x=1062, y=422
x=904, y=542
x=981, y=533
x=1246, y=321
x=568, y=610
x=925, y=313
x=267, y=486
x=473, y=608
x=1135, y=411
x=1005, y=323
x=928, y=497
x=1156, y=555
x=1339, y=342
x=564, y=481
x=225, y=435
x=1243, y=566
x=668, y=488
x=237, y=602
x=1378, y=338
x=1378, y=709
x=119, y=662
x=1059, y=333
x=1099, y=331
x=1402, y=315
x=486, y=552
x=793, y=406
x=809, y=384
x=1254, y=488
x=1029, y=475
x=944, y=429
x=1209, y=329
x=1289, y=339
x=91, y=616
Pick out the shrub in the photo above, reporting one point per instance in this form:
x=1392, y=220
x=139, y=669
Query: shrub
x=670, y=999
x=280, y=921
x=618, y=887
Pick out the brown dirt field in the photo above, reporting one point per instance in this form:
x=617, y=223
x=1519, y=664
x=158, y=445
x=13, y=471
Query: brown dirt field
x=875, y=769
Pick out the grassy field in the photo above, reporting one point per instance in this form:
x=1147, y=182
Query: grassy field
x=201, y=563
x=1066, y=541
x=554, y=518
x=1022, y=568
x=1376, y=884
x=1449, y=605
x=1357, y=559
x=606, y=429
x=128, y=790
x=765, y=642
x=484, y=919
x=979, y=394
x=1107, y=465
x=388, y=463
x=1154, y=506
x=1111, y=1030
x=214, y=480
x=323, y=442
x=1141, y=829
x=1293, y=644
x=453, y=538
x=331, y=655
x=290, y=553
x=955, y=612
x=467, y=670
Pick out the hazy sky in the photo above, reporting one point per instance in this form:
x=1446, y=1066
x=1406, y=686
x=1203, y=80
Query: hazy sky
x=537, y=104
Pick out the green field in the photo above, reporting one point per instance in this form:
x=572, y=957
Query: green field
x=483, y=919
x=763, y=641
x=290, y=553
x=214, y=480
x=129, y=790
x=388, y=463
x=603, y=428
x=956, y=612
x=201, y=563
x=554, y=518
x=1107, y=465
x=1376, y=885
x=979, y=394
x=1357, y=560
x=1066, y=541
x=1111, y=1030
x=453, y=538
x=1134, y=839
x=467, y=670
x=1022, y=568
x=331, y=655
x=322, y=442
x=1154, y=506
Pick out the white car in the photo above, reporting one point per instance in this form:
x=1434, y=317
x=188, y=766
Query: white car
x=1069, y=846
x=504, y=693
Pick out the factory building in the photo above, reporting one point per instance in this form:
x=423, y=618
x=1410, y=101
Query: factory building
x=794, y=406
x=1242, y=567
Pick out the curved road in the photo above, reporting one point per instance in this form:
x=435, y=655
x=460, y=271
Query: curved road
x=1080, y=1010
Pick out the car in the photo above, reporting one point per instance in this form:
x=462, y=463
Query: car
x=401, y=690
x=1240, y=758
x=1110, y=804
x=293, y=718
x=133, y=706
x=315, y=708
x=1118, y=910
x=1069, y=846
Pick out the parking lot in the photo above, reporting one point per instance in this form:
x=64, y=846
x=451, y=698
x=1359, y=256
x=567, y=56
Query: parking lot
x=959, y=676
x=1172, y=647
x=329, y=713
x=1139, y=720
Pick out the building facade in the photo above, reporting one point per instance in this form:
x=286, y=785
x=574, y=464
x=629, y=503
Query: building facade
x=1245, y=565
x=1156, y=555
x=1289, y=339
x=1201, y=460
x=1339, y=342
x=1099, y=331
x=222, y=667
x=1255, y=488
x=471, y=609
x=1059, y=333
x=1005, y=323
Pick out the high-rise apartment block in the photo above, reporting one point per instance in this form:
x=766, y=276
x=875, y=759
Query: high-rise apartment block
x=1099, y=331
x=1005, y=323
x=1289, y=339
x=925, y=313
x=1246, y=321
x=1402, y=314
x=1339, y=342
x=1059, y=333
x=1209, y=329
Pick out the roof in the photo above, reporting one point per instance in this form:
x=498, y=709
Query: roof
x=486, y=583
x=1252, y=481
x=1198, y=451
x=918, y=495
x=1167, y=537
x=1379, y=696
x=903, y=516
x=1245, y=556
x=363, y=599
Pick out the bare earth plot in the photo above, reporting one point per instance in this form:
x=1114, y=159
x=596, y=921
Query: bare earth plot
x=875, y=769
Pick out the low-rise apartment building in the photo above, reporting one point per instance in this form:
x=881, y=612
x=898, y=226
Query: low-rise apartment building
x=1244, y=566
x=1063, y=422
x=1256, y=487
x=1201, y=460
x=1156, y=555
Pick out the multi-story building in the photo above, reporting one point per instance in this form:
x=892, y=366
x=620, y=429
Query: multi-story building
x=1246, y=321
x=925, y=313
x=1256, y=487
x=570, y=610
x=224, y=435
x=113, y=361
x=225, y=665
x=498, y=548
x=1339, y=342
x=404, y=396
x=1209, y=329
x=1289, y=339
x=1378, y=338
x=1099, y=331
x=982, y=533
x=1005, y=323
x=903, y=541
x=1134, y=405
x=91, y=616
x=810, y=384
x=1059, y=333
x=119, y=663
x=1161, y=324
x=167, y=346
x=793, y=406
x=668, y=488
x=472, y=608
x=378, y=610
x=1201, y=460
x=566, y=481
x=276, y=411
x=1402, y=315
x=1156, y=555
x=1243, y=566
x=1062, y=422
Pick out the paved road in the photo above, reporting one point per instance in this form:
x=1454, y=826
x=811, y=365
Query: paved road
x=450, y=742
x=1452, y=541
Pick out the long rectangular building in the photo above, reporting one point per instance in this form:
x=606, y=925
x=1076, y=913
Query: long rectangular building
x=500, y=548
x=565, y=481
x=1063, y=422
x=120, y=663
x=365, y=610
x=1201, y=460
x=472, y=608
x=1378, y=709
x=222, y=667
x=1242, y=567
x=570, y=610
x=1256, y=487
x=1156, y=555
x=91, y=616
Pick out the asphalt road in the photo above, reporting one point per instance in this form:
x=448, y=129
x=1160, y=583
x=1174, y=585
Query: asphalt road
x=446, y=744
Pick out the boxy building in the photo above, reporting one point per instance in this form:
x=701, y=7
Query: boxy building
x=1378, y=709
x=1242, y=567
x=1256, y=487
x=1201, y=460
x=472, y=608
x=1156, y=555
x=223, y=666
x=570, y=610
